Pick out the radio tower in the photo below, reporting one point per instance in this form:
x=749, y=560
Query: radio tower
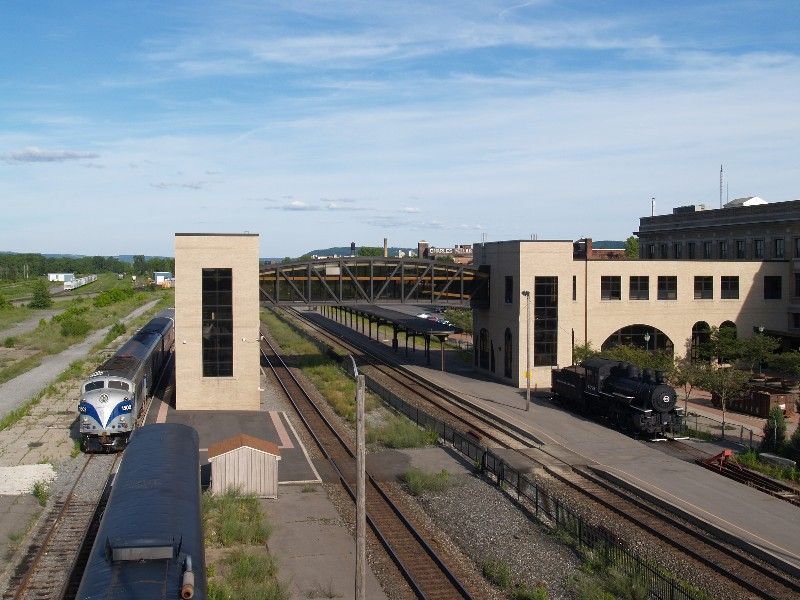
x=720, y=186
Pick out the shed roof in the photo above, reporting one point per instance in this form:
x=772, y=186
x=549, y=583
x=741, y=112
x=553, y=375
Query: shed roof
x=240, y=440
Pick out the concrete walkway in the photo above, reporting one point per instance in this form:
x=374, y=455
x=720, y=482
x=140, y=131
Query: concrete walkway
x=30, y=324
x=15, y=392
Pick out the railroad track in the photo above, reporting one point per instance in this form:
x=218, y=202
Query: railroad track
x=734, y=565
x=439, y=402
x=755, y=480
x=426, y=573
x=45, y=571
x=740, y=568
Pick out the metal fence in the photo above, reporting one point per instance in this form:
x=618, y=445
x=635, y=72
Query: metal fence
x=705, y=427
x=548, y=510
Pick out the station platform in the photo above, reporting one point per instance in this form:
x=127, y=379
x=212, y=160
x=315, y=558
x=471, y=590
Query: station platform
x=213, y=426
x=759, y=521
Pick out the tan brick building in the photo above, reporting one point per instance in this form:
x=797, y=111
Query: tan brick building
x=575, y=300
x=216, y=321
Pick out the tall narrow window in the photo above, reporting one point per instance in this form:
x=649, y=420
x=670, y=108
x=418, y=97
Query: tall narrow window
x=677, y=250
x=545, y=332
x=706, y=250
x=723, y=250
x=741, y=249
x=729, y=287
x=662, y=251
x=772, y=287
x=667, y=287
x=691, y=253
x=509, y=289
x=639, y=287
x=797, y=247
x=779, y=248
x=758, y=248
x=703, y=287
x=217, y=323
x=574, y=288
x=651, y=251
x=797, y=285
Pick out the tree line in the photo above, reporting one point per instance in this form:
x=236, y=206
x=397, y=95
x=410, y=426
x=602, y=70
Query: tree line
x=21, y=266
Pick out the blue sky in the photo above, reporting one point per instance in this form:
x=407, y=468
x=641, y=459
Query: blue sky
x=319, y=123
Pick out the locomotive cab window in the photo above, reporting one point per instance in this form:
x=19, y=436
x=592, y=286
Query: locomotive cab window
x=217, y=323
x=94, y=385
x=119, y=385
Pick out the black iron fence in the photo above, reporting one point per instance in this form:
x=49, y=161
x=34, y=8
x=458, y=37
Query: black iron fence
x=596, y=539
x=703, y=427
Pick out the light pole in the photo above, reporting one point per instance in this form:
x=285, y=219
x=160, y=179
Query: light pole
x=647, y=341
x=761, y=333
x=527, y=295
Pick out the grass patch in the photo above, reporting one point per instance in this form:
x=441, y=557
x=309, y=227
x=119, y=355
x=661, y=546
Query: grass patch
x=328, y=377
x=419, y=481
x=233, y=518
x=76, y=448
x=73, y=371
x=116, y=330
x=751, y=460
x=41, y=490
x=10, y=342
x=21, y=366
x=400, y=432
x=248, y=576
x=497, y=572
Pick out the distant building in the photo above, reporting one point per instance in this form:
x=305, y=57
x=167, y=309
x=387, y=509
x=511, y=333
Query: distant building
x=60, y=277
x=600, y=250
x=460, y=253
x=161, y=277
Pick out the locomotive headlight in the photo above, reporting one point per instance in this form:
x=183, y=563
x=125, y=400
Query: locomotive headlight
x=85, y=420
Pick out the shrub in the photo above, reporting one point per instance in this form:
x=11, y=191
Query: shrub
x=75, y=327
x=523, y=592
x=42, y=492
x=418, y=481
x=400, y=432
x=109, y=297
x=41, y=295
x=10, y=341
x=233, y=518
x=794, y=445
x=498, y=573
x=116, y=330
x=4, y=303
x=774, y=431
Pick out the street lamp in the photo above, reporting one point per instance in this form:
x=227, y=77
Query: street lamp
x=647, y=341
x=527, y=295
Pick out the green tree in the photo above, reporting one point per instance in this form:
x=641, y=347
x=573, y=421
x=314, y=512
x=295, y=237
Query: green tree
x=632, y=248
x=41, y=295
x=787, y=363
x=685, y=374
x=774, y=431
x=583, y=351
x=460, y=317
x=641, y=357
x=139, y=264
x=724, y=383
x=794, y=445
x=757, y=349
x=369, y=251
x=722, y=345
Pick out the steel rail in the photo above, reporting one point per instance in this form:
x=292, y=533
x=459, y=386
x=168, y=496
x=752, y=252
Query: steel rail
x=393, y=553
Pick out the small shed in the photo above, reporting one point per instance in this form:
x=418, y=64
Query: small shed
x=247, y=463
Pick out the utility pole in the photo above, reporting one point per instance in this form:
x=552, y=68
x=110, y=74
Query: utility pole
x=527, y=296
x=361, y=515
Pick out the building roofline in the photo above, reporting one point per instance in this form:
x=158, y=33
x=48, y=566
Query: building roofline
x=217, y=235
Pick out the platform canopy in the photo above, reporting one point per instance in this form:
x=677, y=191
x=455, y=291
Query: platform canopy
x=371, y=280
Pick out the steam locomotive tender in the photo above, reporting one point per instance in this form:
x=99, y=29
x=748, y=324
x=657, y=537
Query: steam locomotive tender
x=150, y=540
x=112, y=397
x=640, y=402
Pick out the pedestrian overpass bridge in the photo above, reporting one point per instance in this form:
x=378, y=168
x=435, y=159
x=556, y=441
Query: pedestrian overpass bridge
x=374, y=280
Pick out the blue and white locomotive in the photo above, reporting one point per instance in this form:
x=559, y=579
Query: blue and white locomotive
x=113, y=395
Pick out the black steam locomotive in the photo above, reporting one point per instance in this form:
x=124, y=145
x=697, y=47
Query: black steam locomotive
x=632, y=400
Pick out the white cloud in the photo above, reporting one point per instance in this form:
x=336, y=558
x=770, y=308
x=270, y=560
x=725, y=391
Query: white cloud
x=40, y=155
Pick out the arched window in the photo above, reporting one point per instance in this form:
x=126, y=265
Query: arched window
x=507, y=354
x=701, y=334
x=643, y=336
x=483, y=349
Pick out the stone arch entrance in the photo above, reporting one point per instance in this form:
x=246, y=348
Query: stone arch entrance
x=641, y=336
